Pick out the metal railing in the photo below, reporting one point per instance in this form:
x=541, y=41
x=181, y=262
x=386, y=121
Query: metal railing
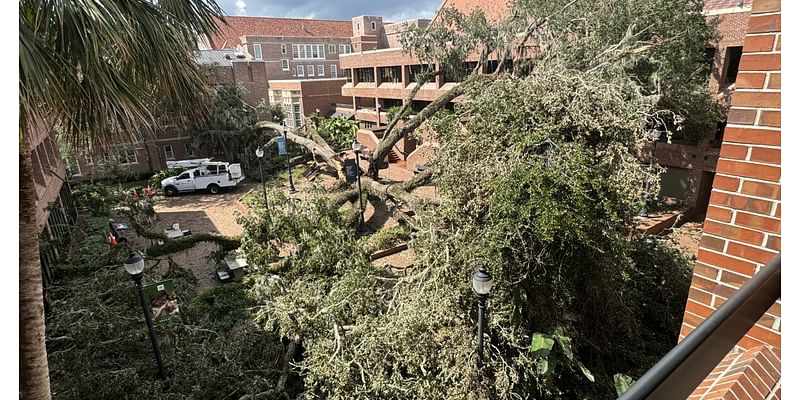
x=679, y=372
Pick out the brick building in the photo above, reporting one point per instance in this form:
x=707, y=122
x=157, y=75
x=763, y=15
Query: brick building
x=691, y=165
x=742, y=230
x=55, y=210
x=284, y=48
x=252, y=52
x=305, y=97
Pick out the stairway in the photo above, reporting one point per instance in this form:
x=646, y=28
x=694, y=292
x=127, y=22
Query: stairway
x=393, y=157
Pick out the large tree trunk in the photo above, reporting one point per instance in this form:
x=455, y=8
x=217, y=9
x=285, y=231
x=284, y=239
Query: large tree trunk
x=383, y=148
x=34, y=380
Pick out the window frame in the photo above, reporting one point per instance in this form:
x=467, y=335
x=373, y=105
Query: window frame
x=285, y=64
x=334, y=71
x=320, y=70
x=171, y=154
x=331, y=49
x=257, y=52
x=126, y=153
x=188, y=150
x=310, y=70
x=301, y=70
x=283, y=48
x=373, y=25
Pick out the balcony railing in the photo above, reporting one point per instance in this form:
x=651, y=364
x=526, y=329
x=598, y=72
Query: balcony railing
x=679, y=373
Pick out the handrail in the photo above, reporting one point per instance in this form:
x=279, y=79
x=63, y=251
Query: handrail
x=679, y=372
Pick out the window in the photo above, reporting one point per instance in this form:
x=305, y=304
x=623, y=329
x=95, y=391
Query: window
x=310, y=70
x=373, y=25
x=365, y=75
x=301, y=70
x=320, y=70
x=188, y=150
x=348, y=75
x=285, y=64
x=73, y=168
x=334, y=72
x=298, y=118
x=308, y=51
x=183, y=176
x=283, y=49
x=168, y=153
x=257, y=51
x=732, y=57
x=331, y=49
x=390, y=74
x=344, y=49
x=128, y=156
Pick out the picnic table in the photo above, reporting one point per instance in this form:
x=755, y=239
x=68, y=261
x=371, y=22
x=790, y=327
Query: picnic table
x=235, y=266
x=175, y=231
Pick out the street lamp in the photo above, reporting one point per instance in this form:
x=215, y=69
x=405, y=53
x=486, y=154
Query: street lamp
x=357, y=150
x=134, y=265
x=260, y=154
x=288, y=162
x=656, y=136
x=481, y=285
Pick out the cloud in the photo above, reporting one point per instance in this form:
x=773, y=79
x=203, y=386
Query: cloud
x=390, y=10
x=240, y=7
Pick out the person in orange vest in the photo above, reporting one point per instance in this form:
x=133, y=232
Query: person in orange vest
x=148, y=192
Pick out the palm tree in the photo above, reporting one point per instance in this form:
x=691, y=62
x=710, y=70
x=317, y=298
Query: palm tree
x=94, y=71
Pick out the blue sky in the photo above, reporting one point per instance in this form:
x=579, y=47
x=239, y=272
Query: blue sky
x=390, y=10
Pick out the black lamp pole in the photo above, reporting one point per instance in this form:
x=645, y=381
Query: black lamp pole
x=481, y=311
x=259, y=154
x=288, y=163
x=162, y=374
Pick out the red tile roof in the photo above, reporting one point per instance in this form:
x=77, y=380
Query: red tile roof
x=229, y=34
x=495, y=10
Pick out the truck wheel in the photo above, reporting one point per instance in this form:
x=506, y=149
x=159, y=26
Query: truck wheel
x=170, y=191
x=213, y=188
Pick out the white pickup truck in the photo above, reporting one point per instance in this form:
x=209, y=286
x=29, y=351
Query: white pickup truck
x=213, y=176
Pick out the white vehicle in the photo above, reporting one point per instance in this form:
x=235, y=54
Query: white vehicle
x=212, y=176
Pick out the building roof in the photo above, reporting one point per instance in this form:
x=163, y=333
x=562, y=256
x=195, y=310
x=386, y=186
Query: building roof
x=214, y=57
x=495, y=10
x=268, y=26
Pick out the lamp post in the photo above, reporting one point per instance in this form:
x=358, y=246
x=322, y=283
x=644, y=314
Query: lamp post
x=481, y=285
x=656, y=136
x=260, y=154
x=288, y=162
x=134, y=265
x=357, y=150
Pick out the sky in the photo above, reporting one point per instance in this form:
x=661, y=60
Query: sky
x=390, y=10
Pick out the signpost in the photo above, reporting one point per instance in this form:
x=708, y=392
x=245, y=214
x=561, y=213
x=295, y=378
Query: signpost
x=282, y=146
x=163, y=300
x=350, y=170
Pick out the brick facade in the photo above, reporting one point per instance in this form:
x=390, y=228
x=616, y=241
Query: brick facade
x=742, y=231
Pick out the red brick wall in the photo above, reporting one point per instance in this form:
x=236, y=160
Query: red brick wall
x=742, y=231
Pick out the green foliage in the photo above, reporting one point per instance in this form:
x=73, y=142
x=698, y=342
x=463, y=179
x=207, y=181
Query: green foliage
x=98, y=198
x=339, y=131
x=387, y=238
x=622, y=383
x=155, y=180
x=98, y=348
x=394, y=110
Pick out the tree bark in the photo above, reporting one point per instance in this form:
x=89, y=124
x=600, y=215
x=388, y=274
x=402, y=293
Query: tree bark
x=383, y=148
x=34, y=379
